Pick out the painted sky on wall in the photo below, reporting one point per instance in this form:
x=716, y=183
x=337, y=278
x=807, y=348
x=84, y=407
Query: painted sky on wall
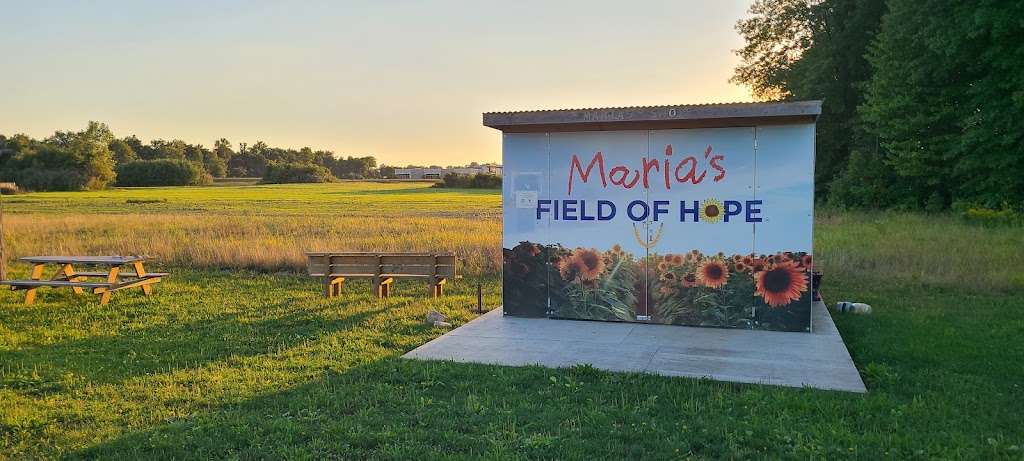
x=403, y=81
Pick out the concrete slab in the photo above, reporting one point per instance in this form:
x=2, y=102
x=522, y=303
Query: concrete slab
x=819, y=359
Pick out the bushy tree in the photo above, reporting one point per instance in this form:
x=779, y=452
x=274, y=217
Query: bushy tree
x=122, y=151
x=161, y=172
x=45, y=168
x=296, y=173
x=467, y=181
x=65, y=161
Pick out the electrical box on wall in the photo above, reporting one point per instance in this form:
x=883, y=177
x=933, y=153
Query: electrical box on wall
x=690, y=215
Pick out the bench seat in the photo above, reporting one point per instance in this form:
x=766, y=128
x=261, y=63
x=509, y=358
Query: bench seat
x=120, y=275
x=52, y=283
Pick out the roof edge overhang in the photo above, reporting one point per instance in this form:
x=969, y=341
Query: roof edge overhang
x=656, y=117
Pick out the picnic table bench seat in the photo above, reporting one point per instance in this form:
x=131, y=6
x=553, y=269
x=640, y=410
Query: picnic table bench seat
x=382, y=269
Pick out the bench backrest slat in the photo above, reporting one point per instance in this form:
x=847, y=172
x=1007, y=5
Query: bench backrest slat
x=381, y=264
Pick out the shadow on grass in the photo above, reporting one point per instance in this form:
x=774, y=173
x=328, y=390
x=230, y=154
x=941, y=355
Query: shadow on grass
x=180, y=327
x=157, y=349
x=407, y=409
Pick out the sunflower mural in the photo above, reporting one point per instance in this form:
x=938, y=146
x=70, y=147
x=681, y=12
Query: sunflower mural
x=782, y=295
x=525, y=278
x=698, y=289
x=733, y=291
x=596, y=285
x=751, y=291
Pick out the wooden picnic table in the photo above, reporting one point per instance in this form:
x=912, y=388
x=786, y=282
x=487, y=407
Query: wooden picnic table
x=67, y=277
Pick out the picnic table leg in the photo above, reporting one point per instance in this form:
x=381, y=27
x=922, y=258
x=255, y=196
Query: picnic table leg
x=37, y=273
x=141, y=273
x=111, y=279
x=67, y=272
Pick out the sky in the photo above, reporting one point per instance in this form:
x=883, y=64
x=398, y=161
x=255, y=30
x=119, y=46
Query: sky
x=403, y=81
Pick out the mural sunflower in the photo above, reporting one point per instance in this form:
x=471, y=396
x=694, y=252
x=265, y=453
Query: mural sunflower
x=711, y=210
x=757, y=265
x=689, y=279
x=526, y=250
x=781, y=284
x=567, y=268
x=806, y=260
x=712, y=273
x=588, y=263
x=739, y=267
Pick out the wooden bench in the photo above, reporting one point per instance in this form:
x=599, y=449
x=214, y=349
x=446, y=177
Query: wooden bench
x=382, y=269
x=67, y=277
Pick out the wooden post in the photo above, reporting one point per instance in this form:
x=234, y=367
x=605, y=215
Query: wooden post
x=3, y=254
x=328, y=283
x=432, y=282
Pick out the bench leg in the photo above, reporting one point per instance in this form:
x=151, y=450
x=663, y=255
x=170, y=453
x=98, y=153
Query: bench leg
x=384, y=288
x=438, y=288
x=328, y=287
x=37, y=273
x=332, y=286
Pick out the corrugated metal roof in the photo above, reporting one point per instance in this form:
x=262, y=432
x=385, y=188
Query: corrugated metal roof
x=656, y=117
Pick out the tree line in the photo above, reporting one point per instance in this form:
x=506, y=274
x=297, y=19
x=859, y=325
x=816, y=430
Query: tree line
x=94, y=158
x=923, y=99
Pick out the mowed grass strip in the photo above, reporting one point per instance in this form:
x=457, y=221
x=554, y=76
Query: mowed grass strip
x=346, y=198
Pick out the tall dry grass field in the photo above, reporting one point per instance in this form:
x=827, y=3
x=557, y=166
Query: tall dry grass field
x=252, y=242
x=919, y=250
x=259, y=227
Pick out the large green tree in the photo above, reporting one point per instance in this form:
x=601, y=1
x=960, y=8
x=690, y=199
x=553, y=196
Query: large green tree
x=65, y=161
x=814, y=49
x=947, y=98
x=776, y=37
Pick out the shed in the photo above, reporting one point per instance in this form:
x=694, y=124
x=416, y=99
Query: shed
x=684, y=214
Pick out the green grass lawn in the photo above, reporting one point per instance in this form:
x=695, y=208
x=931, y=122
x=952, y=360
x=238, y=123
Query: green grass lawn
x=259, y=366
x=245, y=365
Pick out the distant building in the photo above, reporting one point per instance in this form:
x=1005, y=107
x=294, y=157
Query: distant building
x=438, y=173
